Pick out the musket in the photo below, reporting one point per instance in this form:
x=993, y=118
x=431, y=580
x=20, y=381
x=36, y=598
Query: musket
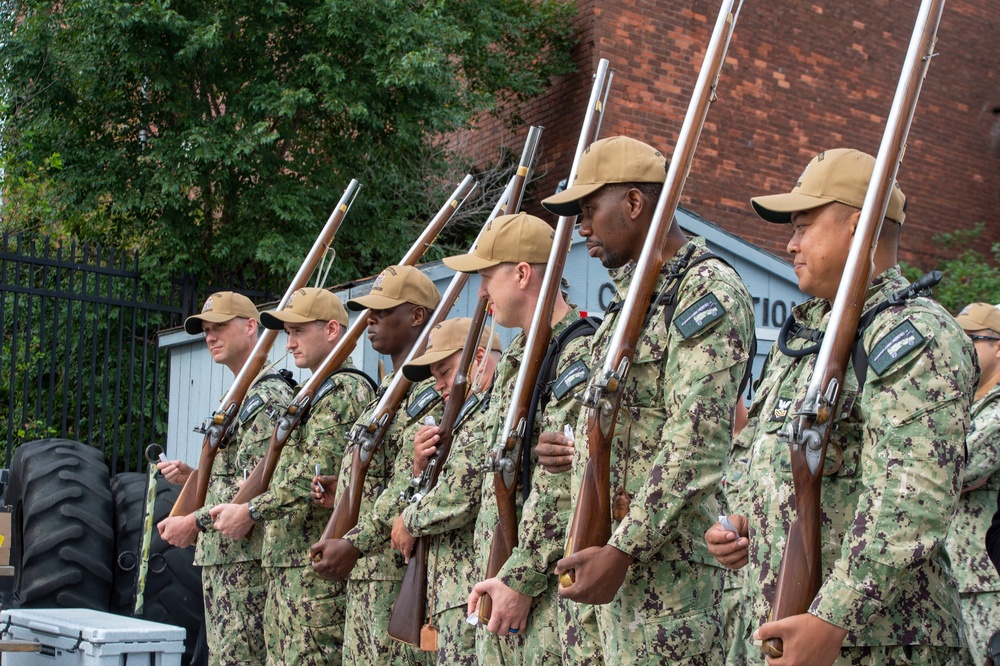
x=808, y=434
x=591, y=522
x=505, y=459
x=260, y=478
x=223, y=420
x=365, y=438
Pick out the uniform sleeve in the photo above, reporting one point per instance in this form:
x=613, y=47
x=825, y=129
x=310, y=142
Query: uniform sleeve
x=703, y=373
x=541, y=537
x=269, y=397
x=983, y=446
x=454, y=501
x=911, y=470
x=375, y=526
x=319, y=441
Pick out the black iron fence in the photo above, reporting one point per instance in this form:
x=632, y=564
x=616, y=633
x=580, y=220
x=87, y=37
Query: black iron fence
x=80, y=358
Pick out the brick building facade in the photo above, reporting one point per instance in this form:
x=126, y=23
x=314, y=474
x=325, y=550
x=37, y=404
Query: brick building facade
x=799, y=77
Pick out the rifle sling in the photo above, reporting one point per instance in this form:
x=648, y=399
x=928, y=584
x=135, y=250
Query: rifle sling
x=542, y=391
x=859, y=356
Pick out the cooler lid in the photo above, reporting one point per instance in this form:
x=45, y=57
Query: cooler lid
x=89, y=625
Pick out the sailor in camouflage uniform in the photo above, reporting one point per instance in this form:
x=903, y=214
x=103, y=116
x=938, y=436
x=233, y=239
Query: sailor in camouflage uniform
x=400, y=305
x=446, y=515
x=659, y=589
x=232, y=579
x=978, y=583
x=510, y=258
x=304, y=613
x=894, y=465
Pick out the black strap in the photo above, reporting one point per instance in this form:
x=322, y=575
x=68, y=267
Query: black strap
x=283, y=375
x=541, y=393
x=859, y=356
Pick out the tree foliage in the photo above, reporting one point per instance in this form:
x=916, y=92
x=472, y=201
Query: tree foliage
x=210, y=133
x=970, y=277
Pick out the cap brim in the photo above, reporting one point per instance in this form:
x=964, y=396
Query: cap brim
x=276, y=319
x=419, y=368
x=567, y=202
x=374, y=302
x=778, y=208
x=193, y=323
x=468, y=263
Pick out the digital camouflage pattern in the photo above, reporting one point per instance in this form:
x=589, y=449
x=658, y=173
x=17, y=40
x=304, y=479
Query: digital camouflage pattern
x=669, y=452
x=978, y=584
x=553, y=635
x=886, y=506
x=733, y=629
x=491, y=649
x=369, y=605
x=542, y=519
x=235, y=595
x=446, y=516
x=305, y=618
x=303, y=609
x=232, y=580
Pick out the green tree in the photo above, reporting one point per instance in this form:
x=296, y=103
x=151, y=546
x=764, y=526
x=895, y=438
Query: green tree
x=969, y=277
x=224, y=132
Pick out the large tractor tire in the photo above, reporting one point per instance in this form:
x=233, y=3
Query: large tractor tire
x=173, y=584
x=62, y=538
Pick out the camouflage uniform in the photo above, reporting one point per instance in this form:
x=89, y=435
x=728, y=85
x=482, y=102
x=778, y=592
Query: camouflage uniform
x=670, y=449
x=231, y=575
x=305, y=613
x=733, y=629
x=542, y=519
x=447, y=516
x=887, y=505
x=978, y=584
x=374, y=583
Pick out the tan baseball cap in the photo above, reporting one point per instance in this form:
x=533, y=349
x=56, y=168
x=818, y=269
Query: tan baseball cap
x=219, y=307
x=617, y=159
x=977, y=316
x=305, y=305
x=397, y=285
x=507, y=239
x=444, y=340
x=839, y=175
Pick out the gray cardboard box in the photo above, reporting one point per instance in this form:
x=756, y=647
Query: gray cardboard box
x=84, y=637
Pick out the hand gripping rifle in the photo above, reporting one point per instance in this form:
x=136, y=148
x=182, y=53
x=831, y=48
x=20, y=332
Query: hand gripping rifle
x=365, y=438
x=260, y=479
x=591, y=523
x=505, y=459
x=223, y=420
x=799, y=577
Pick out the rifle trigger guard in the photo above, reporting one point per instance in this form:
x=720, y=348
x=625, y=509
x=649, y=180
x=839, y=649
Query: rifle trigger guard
x=838, y=459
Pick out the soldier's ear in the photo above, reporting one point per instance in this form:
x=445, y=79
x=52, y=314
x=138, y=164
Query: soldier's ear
x=332, y=330
x=418, y=315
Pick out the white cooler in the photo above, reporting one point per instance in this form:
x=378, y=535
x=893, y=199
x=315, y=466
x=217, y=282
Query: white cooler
x=86, y=637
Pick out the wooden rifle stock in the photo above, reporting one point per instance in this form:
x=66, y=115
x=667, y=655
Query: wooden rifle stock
x=505, y=460
x=410, y=609
x=365, y=439
x=259, y=479
x=591, y=523
x=799, y=577
x=222, y=421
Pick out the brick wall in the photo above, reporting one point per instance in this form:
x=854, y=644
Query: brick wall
x=799, y=77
